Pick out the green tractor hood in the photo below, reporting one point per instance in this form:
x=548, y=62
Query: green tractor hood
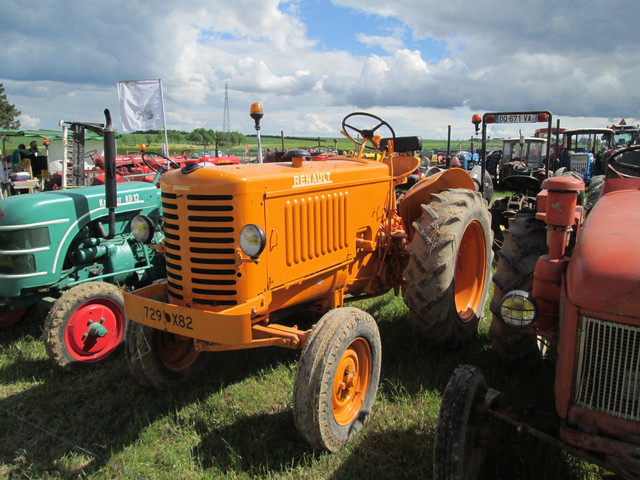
x=40, y=231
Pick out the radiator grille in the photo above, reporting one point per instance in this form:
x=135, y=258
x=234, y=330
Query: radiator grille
x=315, y=226
x=608, y=374
x=200, y=248
x=579, y=163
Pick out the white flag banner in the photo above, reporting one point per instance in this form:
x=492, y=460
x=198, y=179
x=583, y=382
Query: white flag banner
x=141, y=105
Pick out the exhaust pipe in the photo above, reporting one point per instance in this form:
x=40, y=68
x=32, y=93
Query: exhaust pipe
x=111, y=198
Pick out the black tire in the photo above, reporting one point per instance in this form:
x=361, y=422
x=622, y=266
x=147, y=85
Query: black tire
x=593, y=192
x=463, y=429
x=493, y=160
x=10, y=316
x=86, y=325
x=160, y=359
x=524, y=242
x=327, y=414
x=447, y=277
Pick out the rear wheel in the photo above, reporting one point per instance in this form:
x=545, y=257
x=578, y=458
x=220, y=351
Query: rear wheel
x=85, y=325
x=524, y=242
x=337, y=378
x=462, y=432
x=593, y=191
x=161, y=359
x=9, y=316
x=447, y=277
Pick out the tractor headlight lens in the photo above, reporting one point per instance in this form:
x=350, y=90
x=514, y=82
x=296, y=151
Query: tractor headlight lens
x=252, y=240
x=518, y=309
x=142, y=228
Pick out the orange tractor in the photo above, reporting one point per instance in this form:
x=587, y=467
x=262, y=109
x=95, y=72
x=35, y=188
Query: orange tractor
x=250, y=248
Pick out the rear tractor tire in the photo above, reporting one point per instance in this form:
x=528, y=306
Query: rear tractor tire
x=10, y=316
x=524, y=242
x=160, y=359
x=462, y=432
x=593, y=192
x=337, y=378
x=449, y=269
x=86, y=325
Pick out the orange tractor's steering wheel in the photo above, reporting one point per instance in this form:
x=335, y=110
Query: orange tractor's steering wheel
x=367, y=134
x=149, y=159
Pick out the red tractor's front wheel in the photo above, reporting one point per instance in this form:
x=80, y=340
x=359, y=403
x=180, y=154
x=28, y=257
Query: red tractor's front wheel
x=462, y=433
x=85, y=325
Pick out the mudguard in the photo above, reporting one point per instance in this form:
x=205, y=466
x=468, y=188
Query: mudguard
x=420, y=194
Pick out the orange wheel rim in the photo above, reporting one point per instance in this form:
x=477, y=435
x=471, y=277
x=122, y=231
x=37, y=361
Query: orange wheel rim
x=351, y=381
x=470, y=273
x=176, y=352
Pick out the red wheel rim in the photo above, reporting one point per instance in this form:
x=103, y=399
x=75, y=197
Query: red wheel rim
x=470, y=272
x=351, y=381
x=8, y=316
x=79, y=339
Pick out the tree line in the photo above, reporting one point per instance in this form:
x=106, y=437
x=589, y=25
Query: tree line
x=199, y=136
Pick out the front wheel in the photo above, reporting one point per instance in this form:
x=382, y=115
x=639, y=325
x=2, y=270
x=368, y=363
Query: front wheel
x=161, y=359
x=85, y=325
x=337, y=378
x=447, y=277
x=462, y=432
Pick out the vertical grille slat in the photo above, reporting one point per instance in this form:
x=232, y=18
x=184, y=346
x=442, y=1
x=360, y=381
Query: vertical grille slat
x=608, y=373
x=315, y=226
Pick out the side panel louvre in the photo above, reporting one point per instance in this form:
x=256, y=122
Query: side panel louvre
x=315, y=226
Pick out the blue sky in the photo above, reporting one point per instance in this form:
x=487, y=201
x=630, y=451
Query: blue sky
x=338, y=27
x=420, y=64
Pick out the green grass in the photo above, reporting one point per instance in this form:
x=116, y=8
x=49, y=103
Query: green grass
x=234, y=420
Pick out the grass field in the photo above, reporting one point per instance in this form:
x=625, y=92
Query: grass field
x=234, y=421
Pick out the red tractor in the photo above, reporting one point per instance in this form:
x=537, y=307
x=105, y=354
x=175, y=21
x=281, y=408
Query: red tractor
x=572, y=284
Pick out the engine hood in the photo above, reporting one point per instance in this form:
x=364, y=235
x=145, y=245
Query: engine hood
x=65, y=206
x=604, y=271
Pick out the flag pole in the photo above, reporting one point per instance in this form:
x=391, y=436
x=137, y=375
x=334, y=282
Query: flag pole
x=165, y=146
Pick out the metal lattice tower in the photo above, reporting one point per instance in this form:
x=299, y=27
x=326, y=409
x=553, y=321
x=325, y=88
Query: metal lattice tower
x=226, y=123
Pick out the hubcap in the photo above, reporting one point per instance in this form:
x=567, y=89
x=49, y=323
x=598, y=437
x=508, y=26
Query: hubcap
x=94, y=330
x=176, y=352
x=351, y=381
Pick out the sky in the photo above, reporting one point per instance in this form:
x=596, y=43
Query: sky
x=421, y=65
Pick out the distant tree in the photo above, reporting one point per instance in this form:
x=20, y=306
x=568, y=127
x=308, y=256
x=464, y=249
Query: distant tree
x=8, y=112
x=202, y=136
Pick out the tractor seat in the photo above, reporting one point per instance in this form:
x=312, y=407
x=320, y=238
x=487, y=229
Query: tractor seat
x=403, y=144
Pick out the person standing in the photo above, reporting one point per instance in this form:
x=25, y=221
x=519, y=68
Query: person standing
x=33, y=149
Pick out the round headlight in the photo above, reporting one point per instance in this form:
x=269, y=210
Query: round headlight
x=518, y=309
x=142, y=228
x=252, y=240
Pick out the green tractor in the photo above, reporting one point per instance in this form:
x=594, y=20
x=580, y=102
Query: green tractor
x=70, y=253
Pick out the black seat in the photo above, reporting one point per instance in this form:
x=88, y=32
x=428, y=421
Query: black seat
x=403, y=144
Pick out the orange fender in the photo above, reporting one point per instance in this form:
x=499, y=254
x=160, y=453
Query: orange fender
x=420, y=194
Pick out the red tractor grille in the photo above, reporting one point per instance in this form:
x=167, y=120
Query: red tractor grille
x=608, y=373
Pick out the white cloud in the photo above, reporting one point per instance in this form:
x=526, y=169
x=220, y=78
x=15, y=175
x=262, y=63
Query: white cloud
x=388, y=43
x=580, y=63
